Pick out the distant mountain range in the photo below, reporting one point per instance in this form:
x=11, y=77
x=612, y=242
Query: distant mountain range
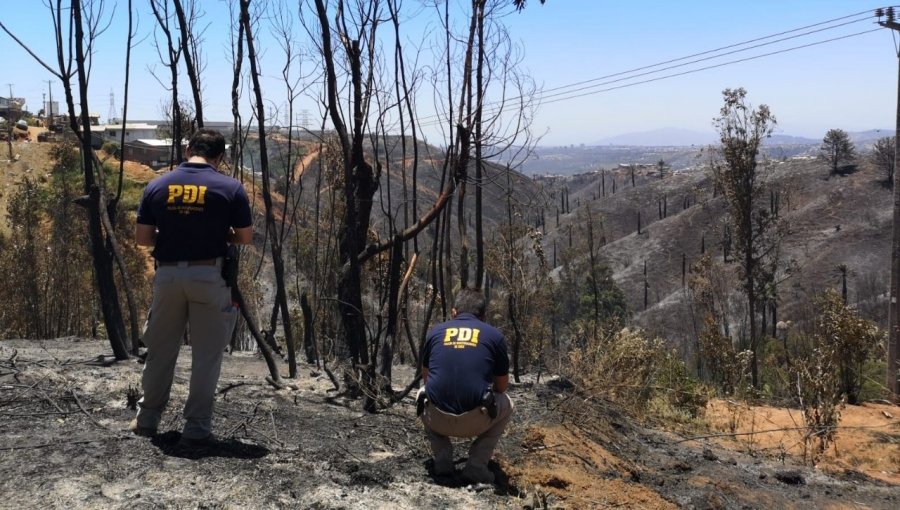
x=678, y=137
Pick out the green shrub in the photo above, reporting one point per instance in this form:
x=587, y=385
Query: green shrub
x=634, y=371
x=820, y=399
x=852, y=340
x=729, y=369
x=45, y=260
x=131, y=190
x=834, y=369
x=111, y=148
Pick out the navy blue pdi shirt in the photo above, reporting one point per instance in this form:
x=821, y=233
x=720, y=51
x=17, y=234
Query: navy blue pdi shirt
x=193, y=207
x=463, y=356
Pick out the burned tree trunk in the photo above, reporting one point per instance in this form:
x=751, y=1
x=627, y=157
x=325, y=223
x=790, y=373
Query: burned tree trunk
x=274, y=238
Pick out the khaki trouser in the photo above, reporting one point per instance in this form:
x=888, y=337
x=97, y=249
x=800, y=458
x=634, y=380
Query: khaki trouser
x=186, y=295
x=440, y=426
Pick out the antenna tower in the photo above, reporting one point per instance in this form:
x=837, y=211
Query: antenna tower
x=110, y=117
x=304, y=119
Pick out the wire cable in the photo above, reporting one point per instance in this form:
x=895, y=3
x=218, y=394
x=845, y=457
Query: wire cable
x=543, y=96
x=650, y=66
x=564, y=92
x=434, y=120
x=690, y=71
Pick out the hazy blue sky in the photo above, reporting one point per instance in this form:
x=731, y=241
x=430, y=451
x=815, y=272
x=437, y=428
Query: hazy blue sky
x=849, y=83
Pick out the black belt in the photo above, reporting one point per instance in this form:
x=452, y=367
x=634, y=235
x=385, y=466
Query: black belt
x=202, y=262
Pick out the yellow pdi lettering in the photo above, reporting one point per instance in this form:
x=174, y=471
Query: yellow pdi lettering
x=190, y=194
x=449, y=335
x=459, y=338
x=175, y=191
x=468, y=335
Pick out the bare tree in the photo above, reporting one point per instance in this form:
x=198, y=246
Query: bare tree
x=76, y=48
x=190, y=42
x=360, y=180
x=350, y=40
x=520, y=4
x=883, y=158
x=170, y=56
x=129, y=291
x=275, y=239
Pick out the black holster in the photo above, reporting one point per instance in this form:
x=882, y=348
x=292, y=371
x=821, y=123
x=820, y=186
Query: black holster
x=230, y=266
x=490, y=403
x=421, y=402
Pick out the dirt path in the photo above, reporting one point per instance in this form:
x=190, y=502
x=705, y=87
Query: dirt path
x=304, y=163
x=63, y=444
x=30, y=160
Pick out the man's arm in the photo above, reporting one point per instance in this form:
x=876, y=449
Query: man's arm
x=501, y=383
x=424, y=374
x=240, y=235
x=145, y=235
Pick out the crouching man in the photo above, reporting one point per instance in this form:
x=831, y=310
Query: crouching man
x=466, y=372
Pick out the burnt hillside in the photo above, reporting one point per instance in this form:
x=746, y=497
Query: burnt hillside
x=831, y=221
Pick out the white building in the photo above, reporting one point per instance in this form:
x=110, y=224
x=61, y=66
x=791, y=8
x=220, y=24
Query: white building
x=51, y=108
x=136, y=131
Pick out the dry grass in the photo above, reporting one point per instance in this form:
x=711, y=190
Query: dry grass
x=867, y=439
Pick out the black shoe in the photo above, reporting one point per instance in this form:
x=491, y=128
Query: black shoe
x=477, y=473
x=444, y=467
x=196, y=444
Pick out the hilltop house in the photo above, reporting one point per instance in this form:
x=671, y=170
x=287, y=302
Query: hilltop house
x=133, y=131
x=152, y=152
x=142, y=142
x=11, y=107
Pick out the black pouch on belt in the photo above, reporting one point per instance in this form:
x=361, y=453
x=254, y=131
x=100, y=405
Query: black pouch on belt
x=490, y=403
x=420, y=404
x=230, y=266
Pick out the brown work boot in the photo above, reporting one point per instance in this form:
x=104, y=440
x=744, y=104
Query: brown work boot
x=139, y=430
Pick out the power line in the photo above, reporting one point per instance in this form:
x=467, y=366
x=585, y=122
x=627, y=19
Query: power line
x=704, y=59
x=735, y=45
x=690, y=71
x=433, y=120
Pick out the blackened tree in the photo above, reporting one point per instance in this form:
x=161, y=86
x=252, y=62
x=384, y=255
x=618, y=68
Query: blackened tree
x=883, y=158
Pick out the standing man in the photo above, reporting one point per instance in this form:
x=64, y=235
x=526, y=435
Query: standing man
x=466, y=372
x=188, y=216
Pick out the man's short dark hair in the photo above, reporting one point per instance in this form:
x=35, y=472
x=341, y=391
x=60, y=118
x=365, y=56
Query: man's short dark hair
x=207, y=143
x=470, y=301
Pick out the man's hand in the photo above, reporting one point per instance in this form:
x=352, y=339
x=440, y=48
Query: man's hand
x=145, y=235
x=240, y=235
x=501, y=383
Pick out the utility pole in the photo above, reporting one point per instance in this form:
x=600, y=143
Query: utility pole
x=9, y=122
x=892, y=383
x=50, y=104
